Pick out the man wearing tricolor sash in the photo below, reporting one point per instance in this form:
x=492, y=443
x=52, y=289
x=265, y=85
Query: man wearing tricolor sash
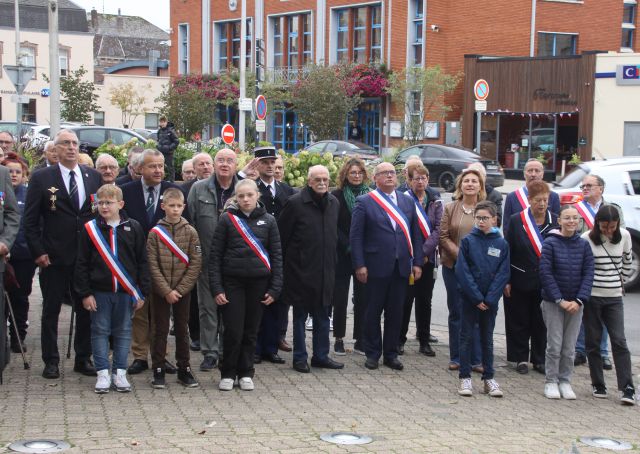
x=385, y=250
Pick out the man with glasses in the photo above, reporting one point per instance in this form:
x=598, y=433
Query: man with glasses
x=6, y=143
x=49, y=156
x=108, y=168
x=59, y=203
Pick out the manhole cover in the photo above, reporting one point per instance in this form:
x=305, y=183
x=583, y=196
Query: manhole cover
x=346, y=438
x=39, y=446
x=606, y=443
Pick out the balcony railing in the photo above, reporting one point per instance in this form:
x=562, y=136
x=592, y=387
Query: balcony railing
x=285, y=75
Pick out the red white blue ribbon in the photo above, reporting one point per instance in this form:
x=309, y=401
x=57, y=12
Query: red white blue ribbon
x=390, y=208
x=166, y=239
x=252, y=241
x=117, y=269
x=587, y=213
x=423, y=219
x=523, y=197
x=532, y=230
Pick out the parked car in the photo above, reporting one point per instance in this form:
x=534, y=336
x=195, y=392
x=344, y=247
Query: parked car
x=446, y=162
x=622, y=187
x=149, y=134
x=91, y=137
x=12, y=127
x=340, y=148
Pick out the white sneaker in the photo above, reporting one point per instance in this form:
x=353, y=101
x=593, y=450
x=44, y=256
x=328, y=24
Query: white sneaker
x=566, y=391
x=103, y=383
x=551, y=391
x=330, y=323
x=492, y=388
x=466, y=387
x=309, y=324
x=246, y=384
x=226, y=384
x=120, y=382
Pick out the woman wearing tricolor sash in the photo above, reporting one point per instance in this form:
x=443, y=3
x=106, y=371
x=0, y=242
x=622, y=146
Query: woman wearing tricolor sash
x=525, y=329
x=245, y=273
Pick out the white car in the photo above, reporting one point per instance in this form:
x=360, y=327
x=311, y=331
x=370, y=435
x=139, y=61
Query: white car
x=622, y=187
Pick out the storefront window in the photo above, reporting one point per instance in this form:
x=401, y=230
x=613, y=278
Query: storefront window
x=513, y=149
x=488, y=137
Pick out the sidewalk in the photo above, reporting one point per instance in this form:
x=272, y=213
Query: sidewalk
x=413, y=411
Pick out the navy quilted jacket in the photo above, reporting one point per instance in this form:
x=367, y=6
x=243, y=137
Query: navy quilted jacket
x=566, y=268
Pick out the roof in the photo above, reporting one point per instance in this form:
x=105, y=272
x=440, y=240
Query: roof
x=34, y=15
x=125, y=27
x=162, y=64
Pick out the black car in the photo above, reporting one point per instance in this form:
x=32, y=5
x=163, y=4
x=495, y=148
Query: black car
x=341, y=148
x=91, y=137
x=445, y=163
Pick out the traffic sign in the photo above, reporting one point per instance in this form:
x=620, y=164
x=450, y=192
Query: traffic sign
x=245, y=104
x=261, y=108
x=481, y=89
x=228, y=134
x=19, y=76
x=481, y=106
x=22, y=99
x=261, y=126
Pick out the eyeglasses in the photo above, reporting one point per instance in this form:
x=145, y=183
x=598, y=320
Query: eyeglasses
x=386, y=173
x=588, y=186
x=106, y=203
x=356, y=174
x=483, y=218
x=420, y=179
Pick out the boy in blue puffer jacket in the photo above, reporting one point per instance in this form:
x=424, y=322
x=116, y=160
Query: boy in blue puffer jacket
x=482, y=270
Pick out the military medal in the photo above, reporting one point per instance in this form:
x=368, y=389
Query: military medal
x=2, y=199
x=94, y=202
x=53, y=198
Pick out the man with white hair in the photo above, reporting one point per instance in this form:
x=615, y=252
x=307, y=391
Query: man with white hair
x=188, y=172
x=202, y=167
x=49, y=156
x=132, y=171
x=108, y=167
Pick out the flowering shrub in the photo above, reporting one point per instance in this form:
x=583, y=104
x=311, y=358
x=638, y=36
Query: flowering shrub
x=219, y=87
x=120, y=151
x=366, y=80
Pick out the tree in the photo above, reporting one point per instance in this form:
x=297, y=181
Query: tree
x=422, y=94
x=130, y=100
x=79, y=97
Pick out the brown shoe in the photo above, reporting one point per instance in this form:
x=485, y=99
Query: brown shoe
x=478, y=369
x=454, y=366
x=284, y=346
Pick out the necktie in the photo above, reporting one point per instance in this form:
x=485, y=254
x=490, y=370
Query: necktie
x=149, y=205
x=73, y=190
x=271, y=190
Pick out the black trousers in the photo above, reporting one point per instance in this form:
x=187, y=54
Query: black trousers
x=269, y=331
x=194, y=317
x=341, y=302
x=56, y=282
x=523, y=321
x=283, y=318
x=241, y=317
x=421, y=291
x=19, y=297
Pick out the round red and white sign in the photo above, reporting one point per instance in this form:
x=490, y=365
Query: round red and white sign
x=228, y=134
x=481, y=89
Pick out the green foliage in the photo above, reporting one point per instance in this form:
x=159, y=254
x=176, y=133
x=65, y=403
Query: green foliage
x=78, y=95
x=575, y=159
x=120, y=151
x=296, y=168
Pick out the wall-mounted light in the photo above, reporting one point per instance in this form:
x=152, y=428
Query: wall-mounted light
x=435, y=28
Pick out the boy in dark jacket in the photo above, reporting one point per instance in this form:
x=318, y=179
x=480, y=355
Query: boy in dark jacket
x=482, y=271
x=175, y=260
x=112, y=278
x=167, y=144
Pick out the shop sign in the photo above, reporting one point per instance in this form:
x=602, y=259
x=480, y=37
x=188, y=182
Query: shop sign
x=628, y=75
x=561, y=99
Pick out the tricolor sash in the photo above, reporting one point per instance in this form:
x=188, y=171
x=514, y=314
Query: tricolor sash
x=533, y=233
x=392, y=210
x=252, y=241
x=118, y=271
x=164, y=236
x=586, y=212
x=423, y=219
x=522, y=195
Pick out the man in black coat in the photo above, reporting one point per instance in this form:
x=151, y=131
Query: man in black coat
x=131, y=171
x=167, y=144
x=57, y=207
x=309, y=235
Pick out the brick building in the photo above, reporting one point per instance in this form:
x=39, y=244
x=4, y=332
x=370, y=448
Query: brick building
x=205, y=36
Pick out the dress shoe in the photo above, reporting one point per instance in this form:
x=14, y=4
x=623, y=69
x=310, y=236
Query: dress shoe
x=426, y=350
x=138, y=366
x=522, y=368
x=478, y=369
x=454, y=366
x=539, y=368
x=170, y=368
x=326, y=363
x=284, y=346
x=433, y=339
x=579, y=359
x=371, y=364
x=393, y=363
x=257, y=359
x=606, y=363
x=85, y=368
x=400, y=349
x=301, y=366
x=195, y=346
x=273, y=358
x=51, y=371
x=208, y=363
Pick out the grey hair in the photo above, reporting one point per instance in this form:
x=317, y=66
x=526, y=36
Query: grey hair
x=187, y=161
x=199, y=156
x=49, y=144
x=315, y=168
x=599, y=179
x=64, y=131
x=150, y=152
x=105, y=157
x=413, y=157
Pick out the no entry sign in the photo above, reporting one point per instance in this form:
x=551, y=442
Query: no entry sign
x=481, y=89
x=228, y=134
x=261, y=107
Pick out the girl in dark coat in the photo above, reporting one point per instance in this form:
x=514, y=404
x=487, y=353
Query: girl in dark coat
x=245, y=273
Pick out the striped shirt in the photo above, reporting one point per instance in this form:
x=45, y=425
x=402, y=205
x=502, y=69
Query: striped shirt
x=609, y=267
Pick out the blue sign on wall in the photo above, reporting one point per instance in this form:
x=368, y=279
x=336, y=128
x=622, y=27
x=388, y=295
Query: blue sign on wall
x=45, y=92
x=628, y=75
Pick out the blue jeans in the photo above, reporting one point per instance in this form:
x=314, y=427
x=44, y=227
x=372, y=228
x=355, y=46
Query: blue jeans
x=454, y=304
x=472, y=317
x=113, y=317
x=581, y=345
x=320, y=336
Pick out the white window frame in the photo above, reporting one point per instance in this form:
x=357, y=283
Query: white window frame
x=216, y=42
x=333, y=29
x=65, y=58
x=184, y=31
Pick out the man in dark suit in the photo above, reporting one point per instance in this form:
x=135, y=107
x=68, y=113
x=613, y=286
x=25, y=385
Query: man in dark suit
x=49, y=156
x=57, y=207
x=385, y=251
x=275, y=317
x=132, y=171
x=142, y=203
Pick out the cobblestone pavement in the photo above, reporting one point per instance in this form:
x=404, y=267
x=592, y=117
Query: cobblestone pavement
x=413, y=411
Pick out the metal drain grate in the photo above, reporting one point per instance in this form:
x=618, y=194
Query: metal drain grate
x=39, y=446
x=346, y=438
x=606, y=443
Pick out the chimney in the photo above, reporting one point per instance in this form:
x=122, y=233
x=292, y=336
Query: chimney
x=119, y=22
x=94, y=18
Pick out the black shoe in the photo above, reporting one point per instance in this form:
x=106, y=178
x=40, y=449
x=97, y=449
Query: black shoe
x=158, y=381
x=433, y=339
x=427, y=350
x=327, y=363
x=338, y=347
x=400, y=349
x=85, y=368
x=170, y=368
x=539, y=368
x=257, y=359
x=186, y=378
x=273, y=358
x=208, y=363
x=599, y=391
x=522, y=368
x=606, y=363
x=138, y=366
x=393, y=363
x=301, y=366
x=579, y=359
x=371, y=363
x=628, y=395
x=51, y=371
x=194, y=346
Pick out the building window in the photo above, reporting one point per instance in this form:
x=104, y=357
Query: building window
x=627, y=38
x=278, y=48
x=229, y=45
x=183, y=48
x=292, y=40
x=98, y=118
x=343, y=36
x=359, y=34
x=417, y=29
x=63, y=58
x=151, y=121
x=629, y=13
x=556, y=44
x=28, y=53
x=628, y=26
x=29, y=111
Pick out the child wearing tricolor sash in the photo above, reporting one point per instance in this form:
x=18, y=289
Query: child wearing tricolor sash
x=112, y=278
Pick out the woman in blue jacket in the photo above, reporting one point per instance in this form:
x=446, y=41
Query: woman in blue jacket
x=566, y=277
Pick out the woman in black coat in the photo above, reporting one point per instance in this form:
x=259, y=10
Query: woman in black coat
x=245, y=273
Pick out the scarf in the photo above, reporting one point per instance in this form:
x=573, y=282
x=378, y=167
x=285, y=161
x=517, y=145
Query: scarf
x=351, y=192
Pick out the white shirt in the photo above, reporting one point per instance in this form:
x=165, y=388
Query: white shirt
x=156, y=194
x=79, y=181
x=271, y=186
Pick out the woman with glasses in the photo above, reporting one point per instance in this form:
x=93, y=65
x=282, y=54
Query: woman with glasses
x=457, y=222
x=611, y=248
x=352, y=182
